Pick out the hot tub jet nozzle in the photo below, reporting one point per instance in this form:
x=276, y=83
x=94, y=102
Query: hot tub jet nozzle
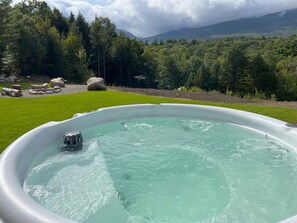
x=73, y=142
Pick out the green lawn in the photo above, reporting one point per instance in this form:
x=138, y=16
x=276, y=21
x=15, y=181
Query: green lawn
x=19, y=115
x=24, y=85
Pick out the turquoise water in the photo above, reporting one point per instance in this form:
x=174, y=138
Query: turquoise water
x=168, y=170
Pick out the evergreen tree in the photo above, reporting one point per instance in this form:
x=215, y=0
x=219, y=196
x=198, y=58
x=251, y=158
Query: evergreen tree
x=84, y=29
x=120, y=53
x=26, y=46
x=102, y=35
x=150, y=64
x=77, y=62
x=235, y=70
x=71, y=19
x=263, y=79
x=5, y=32
x=59, y=22
x=55, y=58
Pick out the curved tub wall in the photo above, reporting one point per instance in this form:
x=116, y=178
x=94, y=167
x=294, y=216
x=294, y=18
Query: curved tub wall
x=16, y=206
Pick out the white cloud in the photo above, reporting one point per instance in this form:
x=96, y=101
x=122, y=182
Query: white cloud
x=150, y=17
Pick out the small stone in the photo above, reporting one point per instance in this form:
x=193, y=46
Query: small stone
x=32, y=92
x=57, y=88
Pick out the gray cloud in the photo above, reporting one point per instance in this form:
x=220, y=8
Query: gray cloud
x=149, y=17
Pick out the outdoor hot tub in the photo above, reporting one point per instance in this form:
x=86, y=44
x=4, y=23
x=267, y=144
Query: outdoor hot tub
x=153, y=163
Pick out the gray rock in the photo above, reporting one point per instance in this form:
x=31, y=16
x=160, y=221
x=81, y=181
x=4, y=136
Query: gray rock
x=32, y=91
x=3, y=76
x=49, y=92
x=39, y=86
x=96, y=84
x=58, y=82
x=57, y=89
x=11, y=78
x=11, y=92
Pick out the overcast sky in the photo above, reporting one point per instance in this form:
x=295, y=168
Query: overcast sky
x=150, y=17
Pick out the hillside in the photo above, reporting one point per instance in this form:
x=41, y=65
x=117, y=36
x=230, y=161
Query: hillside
x=277, y=24
x=128, y=34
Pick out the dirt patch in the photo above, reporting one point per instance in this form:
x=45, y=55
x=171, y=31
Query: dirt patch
x=212, y=96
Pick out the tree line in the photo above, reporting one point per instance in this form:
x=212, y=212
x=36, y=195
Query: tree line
x=247, y=67
x=38, y=40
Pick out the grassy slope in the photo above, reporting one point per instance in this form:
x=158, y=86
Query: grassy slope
x=19, y=115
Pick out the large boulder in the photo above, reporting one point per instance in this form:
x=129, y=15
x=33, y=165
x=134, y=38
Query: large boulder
x=96, y=84
x=60, y=82
x=12, y=78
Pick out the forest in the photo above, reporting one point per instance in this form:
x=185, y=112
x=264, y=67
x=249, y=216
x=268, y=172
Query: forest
x=38, y=40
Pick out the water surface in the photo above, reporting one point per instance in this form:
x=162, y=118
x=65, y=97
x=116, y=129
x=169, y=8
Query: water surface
x=168, y=170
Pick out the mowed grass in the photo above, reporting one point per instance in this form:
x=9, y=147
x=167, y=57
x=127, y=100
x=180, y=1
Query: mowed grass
x=20, y=115
x=24, y=85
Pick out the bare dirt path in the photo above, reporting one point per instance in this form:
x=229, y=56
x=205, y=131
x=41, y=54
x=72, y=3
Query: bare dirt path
x=69, y=89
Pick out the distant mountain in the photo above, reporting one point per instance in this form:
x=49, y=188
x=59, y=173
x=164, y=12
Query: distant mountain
x=276, y=24
x=126, y=33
